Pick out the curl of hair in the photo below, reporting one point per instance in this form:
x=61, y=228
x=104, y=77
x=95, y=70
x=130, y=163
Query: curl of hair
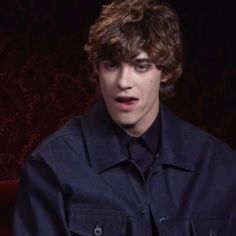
x=125, y=28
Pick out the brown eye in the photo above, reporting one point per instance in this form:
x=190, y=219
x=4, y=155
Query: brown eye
x=142, y=67
x=109, y=65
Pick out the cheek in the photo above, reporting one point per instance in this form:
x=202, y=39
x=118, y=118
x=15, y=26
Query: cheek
x=155, y=83
x=106, y=89
x=106, y=80
x=151, y=90
x=151, y=86
x=105, y=86
x=102, y=82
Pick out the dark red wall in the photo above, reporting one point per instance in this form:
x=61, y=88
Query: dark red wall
x=43, y=81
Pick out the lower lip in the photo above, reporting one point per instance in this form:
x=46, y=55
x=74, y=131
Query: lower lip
x=127, y=106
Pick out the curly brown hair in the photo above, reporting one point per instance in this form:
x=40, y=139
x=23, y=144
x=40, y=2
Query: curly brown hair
x=125, y=28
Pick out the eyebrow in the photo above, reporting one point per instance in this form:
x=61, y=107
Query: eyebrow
x=141, y=60
x=135, y=60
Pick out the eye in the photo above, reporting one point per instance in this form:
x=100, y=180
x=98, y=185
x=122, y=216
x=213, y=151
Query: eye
x=142, y=66
x=109, y=65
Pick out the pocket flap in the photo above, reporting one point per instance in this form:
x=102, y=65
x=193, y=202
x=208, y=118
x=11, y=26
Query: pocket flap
x=89, y=222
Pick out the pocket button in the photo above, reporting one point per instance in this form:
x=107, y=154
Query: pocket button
x=97, y=231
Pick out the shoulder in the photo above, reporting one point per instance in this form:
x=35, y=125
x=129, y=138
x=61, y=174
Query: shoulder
x=198, y=144
x=197, y=137
x=210, y=150
x=62, y=143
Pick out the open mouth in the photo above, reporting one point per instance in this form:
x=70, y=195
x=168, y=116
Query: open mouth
x=126, y=103
x=126, y=100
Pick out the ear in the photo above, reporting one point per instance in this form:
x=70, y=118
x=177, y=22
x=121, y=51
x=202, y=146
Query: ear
x=164, y=79
x=96, y=70
x=96, y=73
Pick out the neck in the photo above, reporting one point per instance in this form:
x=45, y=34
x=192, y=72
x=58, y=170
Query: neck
x=138, y=129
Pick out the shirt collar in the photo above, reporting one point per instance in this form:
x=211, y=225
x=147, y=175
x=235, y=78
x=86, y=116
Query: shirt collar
x=178, y=147
x=101, y=140
x=151, y=138
x=104, y=148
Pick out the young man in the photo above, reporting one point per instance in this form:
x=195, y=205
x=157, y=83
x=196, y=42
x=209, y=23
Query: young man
x=130, y=166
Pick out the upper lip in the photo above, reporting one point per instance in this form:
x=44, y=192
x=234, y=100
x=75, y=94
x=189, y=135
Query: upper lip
x=125, y=98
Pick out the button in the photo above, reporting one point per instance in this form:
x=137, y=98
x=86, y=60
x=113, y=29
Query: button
x=134, y=140
x=97, y=231
x=163, y=219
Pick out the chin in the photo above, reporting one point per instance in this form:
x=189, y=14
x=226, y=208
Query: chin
x=124, y=120
x=125, y=123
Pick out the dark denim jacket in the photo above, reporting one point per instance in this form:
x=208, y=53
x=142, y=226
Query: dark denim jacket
x=78, y=182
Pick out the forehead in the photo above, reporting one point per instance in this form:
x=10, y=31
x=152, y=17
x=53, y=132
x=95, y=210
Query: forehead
x=142, y=55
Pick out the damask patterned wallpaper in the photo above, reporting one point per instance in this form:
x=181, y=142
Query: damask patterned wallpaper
x=43, y=77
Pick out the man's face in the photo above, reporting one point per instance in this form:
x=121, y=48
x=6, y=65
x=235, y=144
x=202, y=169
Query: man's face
x=131, y=92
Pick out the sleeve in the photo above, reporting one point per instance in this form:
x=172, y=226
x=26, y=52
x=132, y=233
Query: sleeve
x=39, y=209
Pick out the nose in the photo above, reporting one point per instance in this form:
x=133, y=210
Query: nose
x=125, y=78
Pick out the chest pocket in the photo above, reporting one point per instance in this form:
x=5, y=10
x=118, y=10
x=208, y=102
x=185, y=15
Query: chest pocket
x=87, y=222
x=208, y=227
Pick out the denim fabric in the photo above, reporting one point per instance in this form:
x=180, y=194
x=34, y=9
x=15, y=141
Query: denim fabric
x=79, y=182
